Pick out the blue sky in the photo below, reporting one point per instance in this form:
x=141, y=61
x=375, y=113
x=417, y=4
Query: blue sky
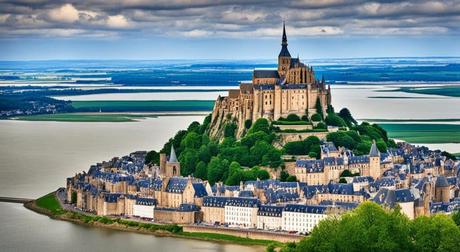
x=220, y=29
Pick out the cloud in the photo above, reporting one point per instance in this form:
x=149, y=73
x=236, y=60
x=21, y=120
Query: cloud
x=229, y=18
x=117, y=21
x=66, y=13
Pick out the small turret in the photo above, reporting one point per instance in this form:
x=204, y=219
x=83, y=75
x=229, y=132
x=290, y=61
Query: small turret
x=172, y=156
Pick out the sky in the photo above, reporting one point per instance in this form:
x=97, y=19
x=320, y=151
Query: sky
x=226, y=29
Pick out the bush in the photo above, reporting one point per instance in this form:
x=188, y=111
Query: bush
x=316, y=118
x=248, y=124
x=293, y=117
x=334, y=120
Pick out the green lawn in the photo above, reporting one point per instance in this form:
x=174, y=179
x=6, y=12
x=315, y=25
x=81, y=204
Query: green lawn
x=50, y=203
x=80, y=117
x=229, y=238
x=424, y=133
x=447, y=90
x=143, y=106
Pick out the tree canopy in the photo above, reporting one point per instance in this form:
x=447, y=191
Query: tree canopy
x=371, y=228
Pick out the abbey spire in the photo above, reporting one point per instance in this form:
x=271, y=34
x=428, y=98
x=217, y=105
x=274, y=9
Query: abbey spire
x=284, y=58
x=284, y=50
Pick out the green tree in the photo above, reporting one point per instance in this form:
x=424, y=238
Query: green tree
x=188, y=160
x=435, y=233
x=316, y=117
x=229, y=130
x=347, y=117
x=192, y=141
x=201, y=170
x=283, y=175
x=291, y=178
x=456, y=217
x=260, y=125
x=293, y=118
x=152, y=157
x=194, y=127
x=248, y=124
x=319, y=108
x=296, y=148
x=216, y=170
x=263, y=174
x=73, y=198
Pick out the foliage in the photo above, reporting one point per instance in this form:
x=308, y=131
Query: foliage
x=293, y=118
x=335, y=120
x=248, y=124
x=50, y=203
x=304, y=147
x=229, y=130
x=283, y=176
x=152, y=157
x=73, y=198
x=316, y=117
x=319, y=108
x=291, y=178
x=201, y=170
x=347, y=117
x=372, y=228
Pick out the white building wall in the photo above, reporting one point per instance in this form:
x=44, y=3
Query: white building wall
x=269, y=222
x=143, y=211
x=300, y=222
x=244, y=217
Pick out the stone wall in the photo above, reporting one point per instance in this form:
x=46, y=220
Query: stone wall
x=291, y=137
x=251, y=234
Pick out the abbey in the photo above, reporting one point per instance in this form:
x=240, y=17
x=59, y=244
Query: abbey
x=290, y=89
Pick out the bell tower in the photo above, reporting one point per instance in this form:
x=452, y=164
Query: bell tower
x=284, y=58
x=172, y=168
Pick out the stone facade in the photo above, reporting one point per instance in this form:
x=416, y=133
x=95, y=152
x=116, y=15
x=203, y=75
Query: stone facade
x=291, y=89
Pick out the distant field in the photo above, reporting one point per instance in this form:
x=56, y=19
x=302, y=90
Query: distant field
x=412, y=120
x=452, y=91
x=78, y=117
x=143, y=106
x=424, y=133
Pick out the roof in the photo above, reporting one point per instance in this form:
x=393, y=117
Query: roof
x=146, y=201
x=272, y=211
x=374, y=150
x=200, y=190
x=246, y=194
x=214, y=201
x=441, y=181
x=263, y=73
x=305, y=209
x=176, y=184
x=391, y=197
x=172, y=157
x=243, y=202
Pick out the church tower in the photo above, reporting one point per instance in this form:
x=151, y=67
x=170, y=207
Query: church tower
x=172, y=165
x=374, y=161
x=284, y=58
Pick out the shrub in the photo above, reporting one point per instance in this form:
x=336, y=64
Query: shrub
x=293, y=117
x=316, y=117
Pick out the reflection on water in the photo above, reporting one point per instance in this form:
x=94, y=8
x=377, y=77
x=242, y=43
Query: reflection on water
x=36, y=157
x=356, y=99
x=24, y=230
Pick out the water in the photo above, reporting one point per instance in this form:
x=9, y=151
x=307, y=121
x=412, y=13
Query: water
x=36, y=157
x=24, y=230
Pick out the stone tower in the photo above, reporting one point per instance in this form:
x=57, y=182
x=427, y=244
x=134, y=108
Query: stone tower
x=374, y=161
x=441, y=190
x=169, y=167
x=284, y=58
x=172, y=165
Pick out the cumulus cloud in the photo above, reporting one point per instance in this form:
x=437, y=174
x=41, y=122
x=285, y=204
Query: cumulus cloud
x=66, y=13
x=229, y=18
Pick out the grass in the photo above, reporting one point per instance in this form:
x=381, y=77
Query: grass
x=79, y=117
x=451, y=90
x=424, y=133
x=143, y=106
x=49, y=202
x=291, y=123
x=412, y=120
x=229, y=238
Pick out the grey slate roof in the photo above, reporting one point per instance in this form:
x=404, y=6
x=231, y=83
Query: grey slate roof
x=374, y=150
x=265, y=73
x=172, y=157
x=305, y=209
x=273, y=211
x=441, y=181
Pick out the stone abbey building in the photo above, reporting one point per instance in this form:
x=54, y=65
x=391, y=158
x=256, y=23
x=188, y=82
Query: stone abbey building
x=290, y=89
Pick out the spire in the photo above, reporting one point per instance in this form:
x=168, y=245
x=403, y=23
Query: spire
x=374, y=150
x=172, y=156
x=284, y=51
x=284, y=40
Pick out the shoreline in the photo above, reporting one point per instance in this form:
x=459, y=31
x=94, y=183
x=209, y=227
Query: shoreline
x=225, y=239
